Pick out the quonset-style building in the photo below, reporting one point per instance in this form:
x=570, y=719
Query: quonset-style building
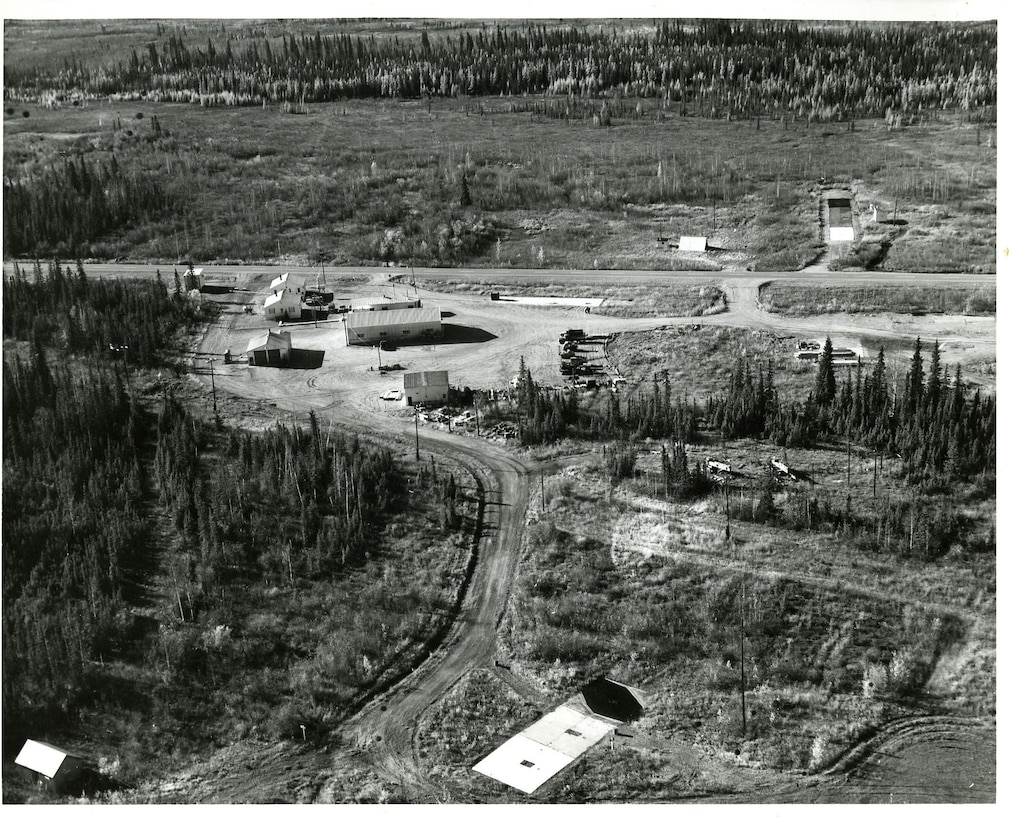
x=369, y=327
x=425, y=386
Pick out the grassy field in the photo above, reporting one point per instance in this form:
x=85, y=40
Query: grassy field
x=803, y=300
x=371, y=181
x=837, y=641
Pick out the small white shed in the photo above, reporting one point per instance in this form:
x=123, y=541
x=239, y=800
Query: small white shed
x=425, y=386
x=694, y=243
x=50, y=766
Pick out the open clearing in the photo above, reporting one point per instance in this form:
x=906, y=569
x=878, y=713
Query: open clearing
x=378, y=757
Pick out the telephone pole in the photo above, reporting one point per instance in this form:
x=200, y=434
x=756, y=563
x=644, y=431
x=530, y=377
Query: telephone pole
x=213, y=387
x=742, y=661
x=416, y=432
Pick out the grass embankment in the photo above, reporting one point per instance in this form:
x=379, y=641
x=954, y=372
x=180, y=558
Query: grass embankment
x=626, y=301
x=804, y=300
x=836, y=641
x=358, y=182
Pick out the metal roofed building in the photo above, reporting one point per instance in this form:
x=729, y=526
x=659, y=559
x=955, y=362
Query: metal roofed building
x=270, y=347
x=425, y=386
x=369, y=327
x=528, y=760
x=49, y=764
x=693, y=243
x=839, y=221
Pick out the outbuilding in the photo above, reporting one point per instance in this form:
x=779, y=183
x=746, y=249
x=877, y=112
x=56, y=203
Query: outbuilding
x=425, y=387
x=369, y=327
x=693, y=243
x=270, y=348
x=839, y=221
x=51, y=766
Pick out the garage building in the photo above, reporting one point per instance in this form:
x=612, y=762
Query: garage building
x=369, y=327
x=425, y=387
x=272, y=347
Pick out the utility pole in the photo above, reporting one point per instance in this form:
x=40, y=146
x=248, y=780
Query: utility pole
x=378, y=347
x=416, y=432
x=213, y=387
x=742, y=661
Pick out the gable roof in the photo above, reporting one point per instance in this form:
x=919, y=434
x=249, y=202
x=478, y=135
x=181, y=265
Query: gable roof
x=40, y=757
x=283, y=337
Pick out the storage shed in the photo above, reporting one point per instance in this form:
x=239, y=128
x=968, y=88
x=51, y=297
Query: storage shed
x=425, y=386
x=367, y=327
x=270, y=348
x=51, y=766
x=693, y=243
x=839, y=219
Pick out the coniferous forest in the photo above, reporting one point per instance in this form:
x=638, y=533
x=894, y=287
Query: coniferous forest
x=136, y=534
x=713, y=66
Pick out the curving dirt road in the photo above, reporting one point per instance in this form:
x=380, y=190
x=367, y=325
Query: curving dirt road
x=345, y=389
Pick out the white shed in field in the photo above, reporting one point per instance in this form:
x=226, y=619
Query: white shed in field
x=694, y=243
x=49, y=764
x=530, y=758
x=425, y=387
x=272, y=347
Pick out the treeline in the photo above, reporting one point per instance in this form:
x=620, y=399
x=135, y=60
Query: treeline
x=65, y=309
x=59, y=209
x=714, y=66
x=931, y=422
x=72, y=519
x=546, y=417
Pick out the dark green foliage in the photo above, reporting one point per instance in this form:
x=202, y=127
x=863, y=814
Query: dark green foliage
x=133, y=320
x=714, y=68
x=61, y=209
x=71, y=524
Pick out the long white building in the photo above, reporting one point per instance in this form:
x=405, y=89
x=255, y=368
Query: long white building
x=369, y=327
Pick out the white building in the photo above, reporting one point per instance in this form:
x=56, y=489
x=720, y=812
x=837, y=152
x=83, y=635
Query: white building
x=388, y=304
x=425, y=387
x=369, y=327
x=286, y=296
x=271, y=347
x=50, y=765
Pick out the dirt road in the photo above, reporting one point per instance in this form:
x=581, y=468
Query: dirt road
x=344, y=389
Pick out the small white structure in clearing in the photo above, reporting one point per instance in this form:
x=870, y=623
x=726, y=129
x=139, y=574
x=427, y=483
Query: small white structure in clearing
x=694, y=243
x=271, y=347
x=425, y=386
x=839, y=222
x=528, y=760
x=50, y=764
